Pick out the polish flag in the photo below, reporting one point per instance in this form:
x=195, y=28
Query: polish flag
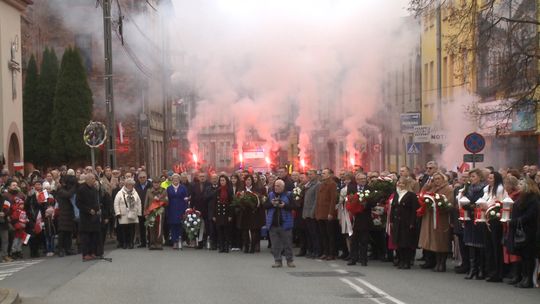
x=121, y=131
x=38, y=227
x=464, y=167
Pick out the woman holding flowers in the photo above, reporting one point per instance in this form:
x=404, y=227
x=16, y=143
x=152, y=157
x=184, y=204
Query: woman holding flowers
x=474, y=233
x=154, y=209
x=403, y=221
x=250, y=205
x=494, y=193
x=435, y=231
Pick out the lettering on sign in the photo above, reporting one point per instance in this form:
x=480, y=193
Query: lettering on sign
x=422, y=134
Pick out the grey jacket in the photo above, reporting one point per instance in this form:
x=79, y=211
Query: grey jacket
x=310, y=199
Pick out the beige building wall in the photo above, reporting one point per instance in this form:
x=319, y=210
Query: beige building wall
x=11, y=119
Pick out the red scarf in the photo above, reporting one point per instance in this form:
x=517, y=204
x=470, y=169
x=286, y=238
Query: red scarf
x=223, y=194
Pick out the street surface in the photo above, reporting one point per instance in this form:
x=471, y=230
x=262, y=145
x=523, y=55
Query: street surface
x=200, y=277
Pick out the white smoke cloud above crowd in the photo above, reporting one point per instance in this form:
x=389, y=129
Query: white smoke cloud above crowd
x=253, y=62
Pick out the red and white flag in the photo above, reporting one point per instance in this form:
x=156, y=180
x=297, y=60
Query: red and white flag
x=121, y=131
x=38, y=227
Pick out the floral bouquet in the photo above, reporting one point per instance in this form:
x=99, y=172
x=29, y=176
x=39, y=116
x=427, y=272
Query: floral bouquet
x=435, y=201
x=192, y=223
x=494, y=211
x=381, y=189
x=377, y=216
x=154, y=211
x=245, y=200
x=356, y=203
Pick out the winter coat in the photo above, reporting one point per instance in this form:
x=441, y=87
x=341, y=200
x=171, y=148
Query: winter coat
x=403, y=220
x=66, y=214
x=123, y=206
x=142, y=191
x=219, y=210
x=474, y=233
x=310, y=199
x=88, y=199
x=362, y=221
x=198, y=200
x=210, y=198
x=525, y=210
x=437, y=239
x=282, y=216
x=177, y=204
x=251, y=218
x=326, y=200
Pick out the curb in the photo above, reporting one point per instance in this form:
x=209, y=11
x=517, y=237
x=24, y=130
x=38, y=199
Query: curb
x=9, y=296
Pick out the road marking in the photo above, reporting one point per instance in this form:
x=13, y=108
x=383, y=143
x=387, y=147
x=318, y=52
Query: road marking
x=341, y=271
x=333, y=265
x=8, y=269
x=380, y=291
x=359, y=289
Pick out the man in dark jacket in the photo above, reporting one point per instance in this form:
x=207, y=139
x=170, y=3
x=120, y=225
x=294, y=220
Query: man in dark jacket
x=90, y=217
x=141, y=186
x=199, y=202
x=210, y=197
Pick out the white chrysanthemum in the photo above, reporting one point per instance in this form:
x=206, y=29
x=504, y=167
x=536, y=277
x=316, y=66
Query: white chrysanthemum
x=498, y=205
x=437, y=196
x=498, y=214
x=439, y=204
x=492, y=212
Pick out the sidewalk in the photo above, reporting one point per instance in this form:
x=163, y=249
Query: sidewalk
x=9, y=296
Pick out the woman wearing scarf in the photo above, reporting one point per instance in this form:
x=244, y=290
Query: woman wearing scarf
x=403, y=221
x=178, y=203
x=474, y=233
x=127, y=208
x=494, y=193
x=222, y=215
x=435, y=232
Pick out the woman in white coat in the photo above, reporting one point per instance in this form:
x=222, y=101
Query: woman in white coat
x=127, y=208
x=494, y=193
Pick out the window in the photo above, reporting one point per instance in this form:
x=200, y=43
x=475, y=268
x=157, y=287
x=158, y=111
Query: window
x=84, y=43
x=445, y=76
x=431, y=75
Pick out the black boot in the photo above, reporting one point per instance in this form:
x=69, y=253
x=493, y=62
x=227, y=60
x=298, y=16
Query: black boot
x=430, y=260
x=473, y=269
x=516, y=274
x=527, y=269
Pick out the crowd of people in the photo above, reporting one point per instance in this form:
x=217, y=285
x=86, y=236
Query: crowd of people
x=356, y=216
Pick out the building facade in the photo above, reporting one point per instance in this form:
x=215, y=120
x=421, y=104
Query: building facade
x=11, y=120
x=140, y=80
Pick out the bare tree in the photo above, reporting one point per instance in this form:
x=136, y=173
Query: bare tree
x=497, y=42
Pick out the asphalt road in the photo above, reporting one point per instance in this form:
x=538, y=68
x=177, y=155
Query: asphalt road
x=200, y=276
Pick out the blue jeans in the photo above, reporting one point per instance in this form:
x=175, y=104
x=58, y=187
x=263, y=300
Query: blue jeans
x=49, y=243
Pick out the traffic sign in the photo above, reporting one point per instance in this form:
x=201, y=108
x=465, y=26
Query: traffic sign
x=474, y=143
x=473, y=158
x=413, y=148
x=422, y=133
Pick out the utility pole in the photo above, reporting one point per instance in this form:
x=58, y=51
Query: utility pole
x=109, y=101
